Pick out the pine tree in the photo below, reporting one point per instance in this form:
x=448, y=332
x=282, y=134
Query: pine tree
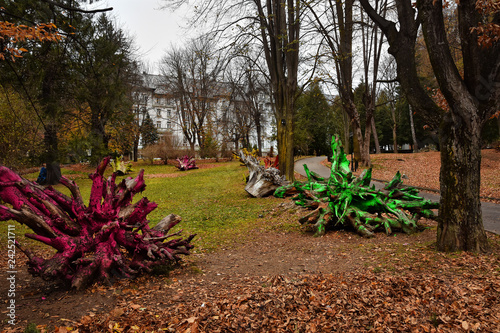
x=149, y=133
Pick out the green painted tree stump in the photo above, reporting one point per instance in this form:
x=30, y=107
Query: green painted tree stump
x=344, y=200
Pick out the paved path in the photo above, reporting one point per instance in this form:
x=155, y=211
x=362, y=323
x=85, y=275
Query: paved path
x=491, y=211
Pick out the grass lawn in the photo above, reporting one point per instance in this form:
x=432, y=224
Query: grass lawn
x=211, y=201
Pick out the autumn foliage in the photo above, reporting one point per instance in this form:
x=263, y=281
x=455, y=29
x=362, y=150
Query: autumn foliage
x=489, y=32
x=11, y=34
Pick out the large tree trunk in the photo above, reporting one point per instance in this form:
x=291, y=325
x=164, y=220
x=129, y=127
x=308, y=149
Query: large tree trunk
x=135, y=151
x=472, y=98
x=364, y=142
x=285, y=145
x=460, y=229
x=99, y=139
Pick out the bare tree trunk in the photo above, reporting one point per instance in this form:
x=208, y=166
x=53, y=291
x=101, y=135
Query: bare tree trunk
x=498, y=124
x=345, y=117
x=471, y=102
x=135, y=151
x=364, y=146
x=285, y=145
x=361, y=144
x=52, y=154
x=108, y=237
x=413, y=136
x=355, y=145
x=394, y=129
x=375, y=137
x=258, y=129
x=280, y=22
x=460, y=182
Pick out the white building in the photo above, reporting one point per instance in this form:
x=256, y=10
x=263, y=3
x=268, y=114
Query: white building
x=228, y=118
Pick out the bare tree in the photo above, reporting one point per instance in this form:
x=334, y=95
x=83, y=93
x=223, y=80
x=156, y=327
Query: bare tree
x=388, y=75
x=143, y=89
x=336, y=24
x=193, y=76
x=372, y=41
x=248, y=88
x=273, y=25
x=472, y=98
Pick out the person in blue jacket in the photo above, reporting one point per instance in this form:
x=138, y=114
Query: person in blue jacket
x=42, y=177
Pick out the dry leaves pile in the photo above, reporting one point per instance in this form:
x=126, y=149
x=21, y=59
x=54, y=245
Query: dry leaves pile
x=429, y=293
x=422, y=170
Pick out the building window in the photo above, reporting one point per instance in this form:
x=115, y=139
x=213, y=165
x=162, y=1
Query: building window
x=169, y=113
x=158, y=112
x=169, y=124
x=158, y=124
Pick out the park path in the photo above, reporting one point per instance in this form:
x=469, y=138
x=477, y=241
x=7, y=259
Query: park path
x=491, y=211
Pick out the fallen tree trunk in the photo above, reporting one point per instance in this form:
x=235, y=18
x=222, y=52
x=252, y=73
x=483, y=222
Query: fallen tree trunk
x=261, y=181
x=344, y=200
x=109, y=237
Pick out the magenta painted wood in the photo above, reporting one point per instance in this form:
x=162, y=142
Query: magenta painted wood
x=109, y=237
x=186, y=163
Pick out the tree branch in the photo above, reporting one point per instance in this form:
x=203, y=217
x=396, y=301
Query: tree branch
x=388, y=81
x=74, y=9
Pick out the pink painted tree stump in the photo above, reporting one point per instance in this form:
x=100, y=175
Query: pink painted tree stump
x=109, y=237
x=186, y=163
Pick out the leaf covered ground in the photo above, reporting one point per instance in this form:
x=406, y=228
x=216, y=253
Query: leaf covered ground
x=276, y=277
x=422, y=170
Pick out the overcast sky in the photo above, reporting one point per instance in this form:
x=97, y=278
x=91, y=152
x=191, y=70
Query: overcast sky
x=153, y=30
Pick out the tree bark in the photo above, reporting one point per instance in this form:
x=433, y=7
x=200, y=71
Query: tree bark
x=285, y=145
x=52, y=154
x=375, y=137
x=412, y=128
x=258, y=130
x=346, y=122
x=460, y=229
x=461, y=225
x=394, y=129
